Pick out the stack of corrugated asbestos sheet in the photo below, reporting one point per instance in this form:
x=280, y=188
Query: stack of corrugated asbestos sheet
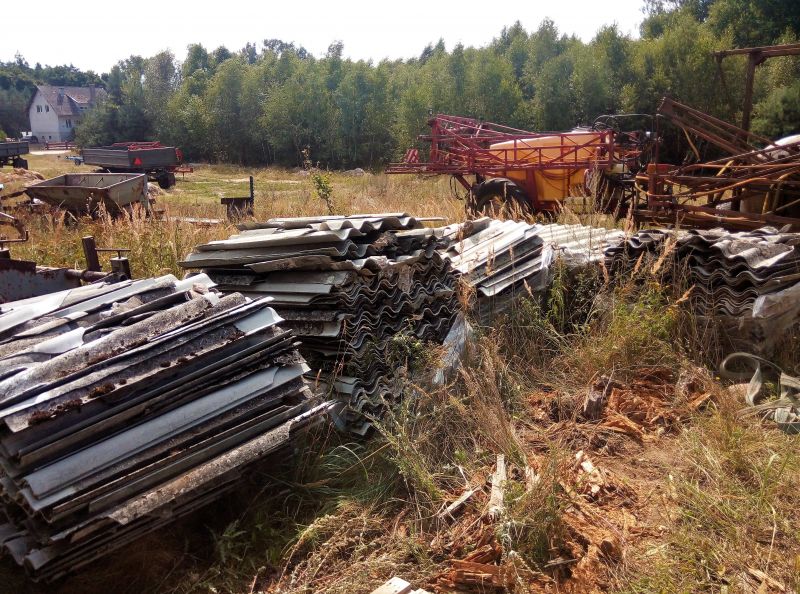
x=747, y=281
x=124, y=406
x=503, y=259
x=347, y=286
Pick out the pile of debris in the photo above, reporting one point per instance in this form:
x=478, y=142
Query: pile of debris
x=20, y=175
x=746, y=281
x=350, y=288
x=505, y=259
x=125, y=406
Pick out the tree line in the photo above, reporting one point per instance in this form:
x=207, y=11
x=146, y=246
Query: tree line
x=268, y=103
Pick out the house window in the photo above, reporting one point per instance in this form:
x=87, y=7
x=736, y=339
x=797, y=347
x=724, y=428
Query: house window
x=47, y=108
x=69, y=123
x=38, y=109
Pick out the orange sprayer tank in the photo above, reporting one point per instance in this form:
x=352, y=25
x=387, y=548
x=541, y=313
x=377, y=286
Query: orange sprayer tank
x=551, y=184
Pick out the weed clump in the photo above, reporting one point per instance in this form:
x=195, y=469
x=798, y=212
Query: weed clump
x=320, y=181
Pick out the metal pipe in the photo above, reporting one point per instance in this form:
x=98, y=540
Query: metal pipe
x=85, y=275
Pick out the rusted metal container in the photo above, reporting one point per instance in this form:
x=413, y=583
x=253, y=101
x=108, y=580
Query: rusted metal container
x=83, y=193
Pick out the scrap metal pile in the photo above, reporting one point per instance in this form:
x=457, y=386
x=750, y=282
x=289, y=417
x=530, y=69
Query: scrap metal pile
x=125, y=406
x=748, y=281
x=350, y=288
x=755, y=183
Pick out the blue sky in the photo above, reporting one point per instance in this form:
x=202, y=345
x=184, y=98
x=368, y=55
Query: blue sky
x=100, y=33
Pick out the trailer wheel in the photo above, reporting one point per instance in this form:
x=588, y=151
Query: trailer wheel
x=20, y=163
x=499, y=197
x=166, y=180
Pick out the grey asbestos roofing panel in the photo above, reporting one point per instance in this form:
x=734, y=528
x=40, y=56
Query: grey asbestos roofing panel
x=150, y=384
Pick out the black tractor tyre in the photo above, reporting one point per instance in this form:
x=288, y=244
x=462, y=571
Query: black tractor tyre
x=166, y=180
x=20, y=163
x=500, y=197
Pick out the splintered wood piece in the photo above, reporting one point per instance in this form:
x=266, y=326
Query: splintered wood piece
x=622, y=424
x=457, y=504
x=765, y=579
x=498, y=484
x=531, y=479
x=485, y=554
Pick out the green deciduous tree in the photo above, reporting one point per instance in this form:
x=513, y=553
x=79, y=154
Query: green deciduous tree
x=267, y=103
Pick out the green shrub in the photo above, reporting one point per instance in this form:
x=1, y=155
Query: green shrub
x=779, y=114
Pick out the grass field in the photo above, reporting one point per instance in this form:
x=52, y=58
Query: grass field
x=157, y=246
x=683, y=494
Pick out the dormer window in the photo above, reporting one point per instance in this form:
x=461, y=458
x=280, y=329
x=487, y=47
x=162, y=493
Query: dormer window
x=38, y=109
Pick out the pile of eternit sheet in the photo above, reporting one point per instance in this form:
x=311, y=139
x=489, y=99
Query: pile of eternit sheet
x=748, y=281
x=346, y=286
x=503, y=259
x=125, y=406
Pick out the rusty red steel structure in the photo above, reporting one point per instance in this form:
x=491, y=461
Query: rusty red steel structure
x=755, y=57
x=461, y=147
x=757, y=183
x=720, y=133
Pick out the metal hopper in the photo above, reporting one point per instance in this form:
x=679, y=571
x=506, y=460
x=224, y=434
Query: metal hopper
x=83, y=193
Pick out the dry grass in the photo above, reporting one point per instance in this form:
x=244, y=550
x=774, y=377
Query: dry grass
x=734, y=500
x=157, y=246
x=697, y=500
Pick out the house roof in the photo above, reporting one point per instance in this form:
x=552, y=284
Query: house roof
x=74, y=98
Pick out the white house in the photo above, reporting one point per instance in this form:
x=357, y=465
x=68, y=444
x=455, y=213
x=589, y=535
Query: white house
x=55, y=111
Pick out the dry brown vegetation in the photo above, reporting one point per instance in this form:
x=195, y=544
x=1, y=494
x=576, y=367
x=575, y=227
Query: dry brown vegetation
x=666, y=489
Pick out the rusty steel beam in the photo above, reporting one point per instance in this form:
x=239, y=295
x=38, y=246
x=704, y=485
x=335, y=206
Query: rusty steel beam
x=722, y=134
x=90, y=253
x=788, y=49
x=755, y=57
x=753, y=61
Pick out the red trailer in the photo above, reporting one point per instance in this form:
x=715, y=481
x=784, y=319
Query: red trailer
x=158, y=162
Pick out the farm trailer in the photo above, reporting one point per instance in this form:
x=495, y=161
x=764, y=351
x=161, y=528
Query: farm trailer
x=158, y=162
x=11, y=154
x=518, y=171
x=84, y=193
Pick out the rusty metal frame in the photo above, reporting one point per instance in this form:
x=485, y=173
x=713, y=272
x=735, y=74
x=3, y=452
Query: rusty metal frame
x=460, y=147
x=696, y=193
x=755, y=57
x=722, y=134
